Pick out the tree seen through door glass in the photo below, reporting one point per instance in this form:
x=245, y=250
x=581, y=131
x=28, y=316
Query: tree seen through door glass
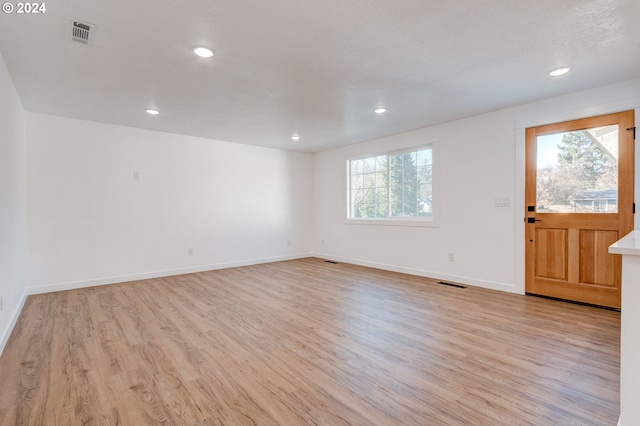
x=577, y=172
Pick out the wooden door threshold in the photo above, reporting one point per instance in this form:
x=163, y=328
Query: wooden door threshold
x=575, y=302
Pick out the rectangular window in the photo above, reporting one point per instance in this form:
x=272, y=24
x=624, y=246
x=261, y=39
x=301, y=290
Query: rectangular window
x=391, y=187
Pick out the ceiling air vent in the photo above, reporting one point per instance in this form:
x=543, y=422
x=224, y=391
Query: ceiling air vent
x=81, y=31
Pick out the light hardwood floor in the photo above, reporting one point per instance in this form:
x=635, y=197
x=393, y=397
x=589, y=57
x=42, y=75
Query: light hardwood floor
x=307, y=342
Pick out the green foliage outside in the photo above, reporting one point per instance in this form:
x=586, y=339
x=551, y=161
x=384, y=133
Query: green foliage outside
x=392, y=186
x=582, y=166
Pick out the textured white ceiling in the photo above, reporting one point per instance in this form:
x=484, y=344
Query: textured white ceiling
x=317, y=68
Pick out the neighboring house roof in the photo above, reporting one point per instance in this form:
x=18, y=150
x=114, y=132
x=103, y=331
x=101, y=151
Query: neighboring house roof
x=603, y=194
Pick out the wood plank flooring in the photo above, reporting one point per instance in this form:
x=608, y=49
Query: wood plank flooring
x=307, y=342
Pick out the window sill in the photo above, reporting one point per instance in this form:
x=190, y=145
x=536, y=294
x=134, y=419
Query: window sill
x=394, y=222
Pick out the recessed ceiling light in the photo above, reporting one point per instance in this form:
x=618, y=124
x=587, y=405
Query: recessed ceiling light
x=559, y=71
x=152, y=111
x=380, y=110
x=295, y=138
x=203, y=52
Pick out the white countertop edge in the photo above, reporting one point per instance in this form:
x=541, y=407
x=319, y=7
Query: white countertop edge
x=629, y=244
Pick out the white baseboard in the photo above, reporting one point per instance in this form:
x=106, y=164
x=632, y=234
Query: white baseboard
x=424, y=273
x=4, y=338
x=211, y=267
x=157, y=274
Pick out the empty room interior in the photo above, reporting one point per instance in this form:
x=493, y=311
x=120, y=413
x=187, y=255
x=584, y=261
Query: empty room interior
x=329, y=213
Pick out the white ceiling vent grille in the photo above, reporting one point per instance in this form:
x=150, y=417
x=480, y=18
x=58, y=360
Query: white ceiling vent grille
x=81, y=31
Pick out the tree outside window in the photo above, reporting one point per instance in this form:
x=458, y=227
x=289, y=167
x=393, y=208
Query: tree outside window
x=392, y=186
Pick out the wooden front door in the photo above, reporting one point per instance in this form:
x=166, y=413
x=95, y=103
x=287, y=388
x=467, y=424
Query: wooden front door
x=579, y=200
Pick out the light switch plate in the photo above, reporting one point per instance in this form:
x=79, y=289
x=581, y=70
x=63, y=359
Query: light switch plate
x=502, y=202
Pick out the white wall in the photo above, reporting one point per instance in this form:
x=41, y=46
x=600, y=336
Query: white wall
x=480, y=158
x=91, y=223
x=13, y=281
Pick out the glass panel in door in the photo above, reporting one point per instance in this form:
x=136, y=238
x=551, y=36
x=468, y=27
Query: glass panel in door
x=577, y=171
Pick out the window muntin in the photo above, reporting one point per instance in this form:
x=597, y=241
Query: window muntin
x=394, y=186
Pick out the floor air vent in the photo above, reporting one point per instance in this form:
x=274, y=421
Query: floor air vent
x=82, y=32
x=331, y=261
x=452, y=285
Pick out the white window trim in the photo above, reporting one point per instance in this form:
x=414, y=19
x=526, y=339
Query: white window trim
x=433, y=222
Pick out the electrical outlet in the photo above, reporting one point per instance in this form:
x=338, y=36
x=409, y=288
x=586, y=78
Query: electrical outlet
x=190, y=251
x=289, y=243
x=136, y=175
x=322, y=242
x=1, y=304
x=452, y=257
